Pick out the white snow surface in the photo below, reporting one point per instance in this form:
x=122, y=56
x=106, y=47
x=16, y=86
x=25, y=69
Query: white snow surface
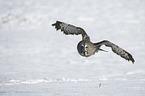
x=37, y=60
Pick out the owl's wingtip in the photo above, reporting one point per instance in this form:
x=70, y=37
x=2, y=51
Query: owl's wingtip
x=133, y=61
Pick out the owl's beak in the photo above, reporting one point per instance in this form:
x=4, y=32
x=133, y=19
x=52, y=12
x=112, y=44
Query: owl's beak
x=84, y=49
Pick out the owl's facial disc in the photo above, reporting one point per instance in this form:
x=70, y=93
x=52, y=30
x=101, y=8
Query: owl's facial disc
x=85, y=48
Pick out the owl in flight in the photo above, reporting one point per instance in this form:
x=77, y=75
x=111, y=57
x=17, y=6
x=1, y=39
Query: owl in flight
x=85, y=47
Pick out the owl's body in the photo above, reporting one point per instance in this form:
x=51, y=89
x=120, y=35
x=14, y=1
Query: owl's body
x=85, y=47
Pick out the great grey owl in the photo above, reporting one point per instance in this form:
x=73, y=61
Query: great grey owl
x=85, y=47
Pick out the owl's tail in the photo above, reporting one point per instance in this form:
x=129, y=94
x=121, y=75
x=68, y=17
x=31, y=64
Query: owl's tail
x=103, y=50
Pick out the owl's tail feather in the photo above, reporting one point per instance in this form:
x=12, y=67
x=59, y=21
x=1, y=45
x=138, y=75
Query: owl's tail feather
x=103, y=50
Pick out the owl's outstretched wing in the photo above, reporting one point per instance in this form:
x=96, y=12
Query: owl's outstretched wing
x=70, y=29
x=116, y=49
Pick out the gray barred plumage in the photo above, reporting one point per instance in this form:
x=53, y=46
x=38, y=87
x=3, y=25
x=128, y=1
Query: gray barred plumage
x=85, y=47
x=66, y=28
x=116, y=49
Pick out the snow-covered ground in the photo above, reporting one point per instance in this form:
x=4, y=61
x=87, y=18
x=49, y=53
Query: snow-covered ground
x=36, y=60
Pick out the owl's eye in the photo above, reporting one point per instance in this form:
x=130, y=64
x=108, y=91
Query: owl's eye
x=82, y=47
x=86, y=47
